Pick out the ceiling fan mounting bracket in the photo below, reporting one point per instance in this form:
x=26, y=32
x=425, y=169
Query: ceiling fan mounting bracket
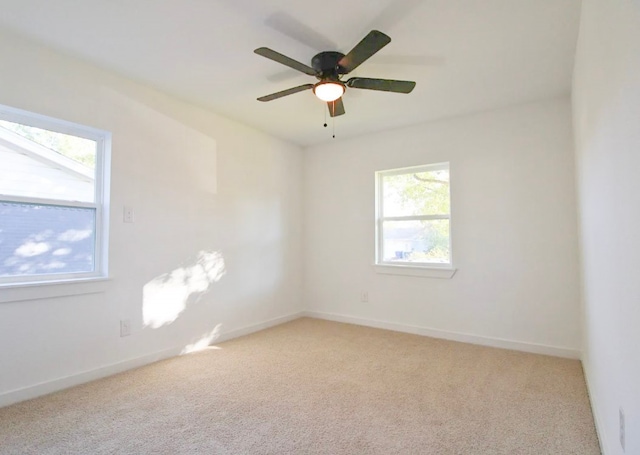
x=326, y=64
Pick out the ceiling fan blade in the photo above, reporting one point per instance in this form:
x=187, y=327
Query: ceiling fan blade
x=290, y=91
x=336, y=107
x=283, y=59
x=369, y=45
x=385, y=85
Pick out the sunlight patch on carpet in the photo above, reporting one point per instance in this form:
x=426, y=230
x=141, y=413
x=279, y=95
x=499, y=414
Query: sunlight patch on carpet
x=204, y=342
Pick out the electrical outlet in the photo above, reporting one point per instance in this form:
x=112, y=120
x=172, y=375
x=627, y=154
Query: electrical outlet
x=127, y=214
x=622, y=429
x=125, y=327
x=364, y=297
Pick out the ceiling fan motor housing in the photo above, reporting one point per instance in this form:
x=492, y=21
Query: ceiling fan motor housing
x=326, y=64
x=329, y=66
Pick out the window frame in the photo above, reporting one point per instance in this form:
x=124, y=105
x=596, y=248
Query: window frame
x=408, y=267
x=102, y=139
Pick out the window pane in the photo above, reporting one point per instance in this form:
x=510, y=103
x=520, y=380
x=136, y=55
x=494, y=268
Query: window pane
x=46, y=164
x=41, y=239
x=416, y=241
x=416, y=193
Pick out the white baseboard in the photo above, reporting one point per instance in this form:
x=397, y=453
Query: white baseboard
x=597, y=417
x=45, y=388
x=55, y=385
x=242, y=331
x=453, y=336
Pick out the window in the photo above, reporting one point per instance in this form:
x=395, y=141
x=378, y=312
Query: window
x=413, y=217
x=52, y=194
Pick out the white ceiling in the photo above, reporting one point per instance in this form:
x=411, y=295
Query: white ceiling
x=465, y=55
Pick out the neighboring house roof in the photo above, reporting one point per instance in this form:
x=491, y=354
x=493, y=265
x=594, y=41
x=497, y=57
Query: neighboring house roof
x=404, y=233
x=40, y=238
x=31, y=170
x=20, y=144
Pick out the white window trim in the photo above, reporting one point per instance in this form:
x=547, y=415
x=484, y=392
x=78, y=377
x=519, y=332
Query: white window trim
x=426, y=272
x=19, y=292
x=428, y=269
x=101, y=197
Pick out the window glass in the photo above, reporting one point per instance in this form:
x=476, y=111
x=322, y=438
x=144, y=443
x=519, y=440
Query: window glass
x=41, y=239
x=416, y=193
x=413, y=216
x=38, y=163
x=51, y=198
x=424, y=241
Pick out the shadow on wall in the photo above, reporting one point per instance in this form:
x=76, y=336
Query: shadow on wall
x=165, y=297
x=151, y=119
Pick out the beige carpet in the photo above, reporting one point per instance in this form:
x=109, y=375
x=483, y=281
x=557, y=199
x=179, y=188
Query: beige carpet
x=317, y=387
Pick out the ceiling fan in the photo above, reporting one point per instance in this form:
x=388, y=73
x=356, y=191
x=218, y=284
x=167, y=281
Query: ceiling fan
x=328, y=67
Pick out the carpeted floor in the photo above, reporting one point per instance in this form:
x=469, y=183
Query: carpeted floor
x=318, y=387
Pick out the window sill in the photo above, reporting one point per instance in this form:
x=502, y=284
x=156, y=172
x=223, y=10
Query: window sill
x=16, y=292
x=424, y=272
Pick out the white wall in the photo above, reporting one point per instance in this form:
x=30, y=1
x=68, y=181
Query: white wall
x=513, y=221
x=606, y=97
x=198, y=183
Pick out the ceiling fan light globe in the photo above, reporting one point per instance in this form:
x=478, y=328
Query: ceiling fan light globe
x=328, y=91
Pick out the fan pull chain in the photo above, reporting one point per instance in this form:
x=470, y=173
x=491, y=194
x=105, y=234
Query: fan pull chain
x=325, y=115
x=332, y=108
x=333, y=120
